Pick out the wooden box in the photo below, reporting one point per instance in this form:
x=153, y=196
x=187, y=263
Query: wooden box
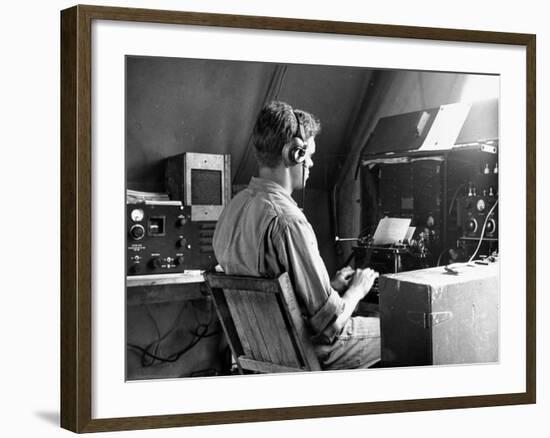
x=433, y=317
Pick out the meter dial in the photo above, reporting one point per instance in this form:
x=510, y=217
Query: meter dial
x=480, y=205
x=137, y=214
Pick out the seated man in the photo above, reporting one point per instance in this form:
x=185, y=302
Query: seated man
x=263, y=233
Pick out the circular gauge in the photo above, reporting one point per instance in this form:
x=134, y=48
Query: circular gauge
x=480, y=205
x=137, y=214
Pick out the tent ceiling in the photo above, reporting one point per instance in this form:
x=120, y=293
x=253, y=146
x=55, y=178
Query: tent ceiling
x=191, y=105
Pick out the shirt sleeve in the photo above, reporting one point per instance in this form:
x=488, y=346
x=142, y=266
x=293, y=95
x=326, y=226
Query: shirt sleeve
x=297, y=250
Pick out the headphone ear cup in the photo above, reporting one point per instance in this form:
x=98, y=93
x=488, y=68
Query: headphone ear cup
x=299, y=154
x=286, y=154
x=294, y=152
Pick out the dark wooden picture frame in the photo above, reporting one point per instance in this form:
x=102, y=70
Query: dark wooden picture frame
x=76, y=218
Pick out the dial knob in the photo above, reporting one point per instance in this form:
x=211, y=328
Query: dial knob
x=179, y=260
x=137, y=232
x=181, y=222
x=181, y=242
x=491, y=226
x=471, y=226
x=135, y=268
x=156, y=263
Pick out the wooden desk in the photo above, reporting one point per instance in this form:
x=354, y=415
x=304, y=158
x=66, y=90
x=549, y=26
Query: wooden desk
x=157, y=301
x=161, y=288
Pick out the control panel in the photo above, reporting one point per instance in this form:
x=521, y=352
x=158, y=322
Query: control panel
x=474, y=211
x=162, y=238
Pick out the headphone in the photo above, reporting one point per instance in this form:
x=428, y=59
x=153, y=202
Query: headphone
x=294, y=152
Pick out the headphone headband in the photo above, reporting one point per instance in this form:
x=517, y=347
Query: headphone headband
x=299, y=128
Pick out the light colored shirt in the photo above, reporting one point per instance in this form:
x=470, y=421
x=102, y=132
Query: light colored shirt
x=263, y=233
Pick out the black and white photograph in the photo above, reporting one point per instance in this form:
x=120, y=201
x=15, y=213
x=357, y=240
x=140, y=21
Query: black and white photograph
x=285, y=218
x=275, y=219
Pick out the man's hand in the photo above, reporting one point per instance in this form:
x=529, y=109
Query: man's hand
x=342, y=278
x=362, y=280
x=358, y=286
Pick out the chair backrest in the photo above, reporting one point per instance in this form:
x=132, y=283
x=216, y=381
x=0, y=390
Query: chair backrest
x=263, y=323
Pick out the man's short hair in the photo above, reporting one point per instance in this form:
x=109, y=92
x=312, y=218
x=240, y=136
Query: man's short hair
x=276, y=126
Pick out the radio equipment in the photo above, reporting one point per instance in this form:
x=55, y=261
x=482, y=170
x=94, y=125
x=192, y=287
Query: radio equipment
x=418, y=165
x=202, y=181
x=410, y=189
x=472, y=213
x=162, y=239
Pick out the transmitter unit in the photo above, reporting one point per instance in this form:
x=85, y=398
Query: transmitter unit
x=161, y=239
x=473, y=212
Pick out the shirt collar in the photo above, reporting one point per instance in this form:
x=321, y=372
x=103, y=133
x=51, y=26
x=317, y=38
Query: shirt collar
x=269, y=186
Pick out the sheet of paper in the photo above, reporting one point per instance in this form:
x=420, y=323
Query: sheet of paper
x=410, y=233
x=391, y=230
x=446, y=127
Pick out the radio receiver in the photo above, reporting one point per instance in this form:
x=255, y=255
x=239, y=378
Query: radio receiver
x=162, y=239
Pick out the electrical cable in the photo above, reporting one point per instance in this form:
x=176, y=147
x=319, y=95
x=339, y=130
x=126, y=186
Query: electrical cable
x=155, y=344
x=483, y=231
x=454, y=197
x=303, y=185
x=210, y=314
x=199, y=333
x=174, y=357
x=441, y=255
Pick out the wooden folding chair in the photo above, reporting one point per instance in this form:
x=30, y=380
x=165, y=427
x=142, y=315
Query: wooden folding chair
x=263, y=323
